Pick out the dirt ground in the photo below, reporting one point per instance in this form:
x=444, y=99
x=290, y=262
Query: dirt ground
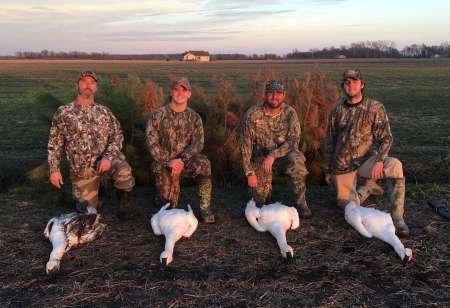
x=225, y=264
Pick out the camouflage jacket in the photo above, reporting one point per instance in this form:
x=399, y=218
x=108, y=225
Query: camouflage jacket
x=356, y=132
x=173, y=134
x=262, y=135
x=88, y=134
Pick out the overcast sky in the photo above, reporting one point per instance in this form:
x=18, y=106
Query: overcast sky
x=218, y=26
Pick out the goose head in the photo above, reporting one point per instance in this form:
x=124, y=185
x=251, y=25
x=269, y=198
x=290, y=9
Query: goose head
x=408, y=258
x=287, y=252
x=52, y=267
x=165, y=258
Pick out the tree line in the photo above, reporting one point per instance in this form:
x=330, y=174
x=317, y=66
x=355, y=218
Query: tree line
x=367, y=49
x=374, y=49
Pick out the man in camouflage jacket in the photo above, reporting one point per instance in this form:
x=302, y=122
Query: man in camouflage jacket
x=92, y=139
x=358, y=141
x=270, y=135
x=175, y=140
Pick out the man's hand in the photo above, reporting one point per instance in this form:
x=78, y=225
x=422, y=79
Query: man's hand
x=252, y=181
x=267, y=163
x=177, y=166
x=329, y=179
x=377, y=170
x=56, y=179
x=104, y=166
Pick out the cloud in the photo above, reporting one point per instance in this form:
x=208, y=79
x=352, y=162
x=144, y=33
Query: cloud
x=41, y=8
x=352, y=25
x=248, y=14
x=240, y=3
x=173, y=35
x=168, y=39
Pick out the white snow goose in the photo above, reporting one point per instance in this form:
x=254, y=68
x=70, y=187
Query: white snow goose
x=276, y=218
x=70, y=230
x=173, y=224
x=370, y=222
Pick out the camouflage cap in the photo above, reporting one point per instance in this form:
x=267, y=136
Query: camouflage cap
x=184, y=82
x=87, y=74
x=353, y=74
x=274, y=85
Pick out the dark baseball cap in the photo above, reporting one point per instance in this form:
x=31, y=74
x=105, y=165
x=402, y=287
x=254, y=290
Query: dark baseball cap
x=274, y=85
x=184, y=82
x=87, y=74
x=353, y=74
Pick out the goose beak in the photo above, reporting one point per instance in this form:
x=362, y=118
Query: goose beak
x=52, y=270
x=408, y=258
x=164, y=261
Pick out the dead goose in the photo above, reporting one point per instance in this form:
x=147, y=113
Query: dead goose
x=70, y=230
x=370, y=222
x=275, y=218
x=174, y=224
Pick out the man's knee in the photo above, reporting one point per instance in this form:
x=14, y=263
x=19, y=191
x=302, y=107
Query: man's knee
x=123, y=177
x=261, y=194
x=393, y=168
x=296, y=167
x=199, y=165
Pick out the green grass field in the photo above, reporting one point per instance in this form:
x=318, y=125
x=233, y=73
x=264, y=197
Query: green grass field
x=416, y=94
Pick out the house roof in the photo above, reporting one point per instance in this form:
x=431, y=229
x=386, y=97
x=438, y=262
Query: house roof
x=197, y=53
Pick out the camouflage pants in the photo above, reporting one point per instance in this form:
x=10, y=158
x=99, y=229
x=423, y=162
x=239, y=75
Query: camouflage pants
x=86, y=188
x=168, y=187
x=345, y=184
x=293, y=165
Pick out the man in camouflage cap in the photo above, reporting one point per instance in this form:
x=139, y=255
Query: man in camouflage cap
x=92, y=139
x=175, y=140
x=270, y=135
x=358, y=141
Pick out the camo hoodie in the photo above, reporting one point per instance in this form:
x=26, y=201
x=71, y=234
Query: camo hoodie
x=88, y=134
x=355, y=133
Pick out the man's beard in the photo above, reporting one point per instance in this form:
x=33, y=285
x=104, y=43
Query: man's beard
x=87, y=93
x=273, y=106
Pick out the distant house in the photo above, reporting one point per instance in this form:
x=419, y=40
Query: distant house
x=200, y=56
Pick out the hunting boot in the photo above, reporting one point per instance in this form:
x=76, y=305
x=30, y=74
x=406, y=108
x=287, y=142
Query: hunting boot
x=204, y=190
x=396, y=197
x=124, y=204
x=369, y=188
x=300, y=202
